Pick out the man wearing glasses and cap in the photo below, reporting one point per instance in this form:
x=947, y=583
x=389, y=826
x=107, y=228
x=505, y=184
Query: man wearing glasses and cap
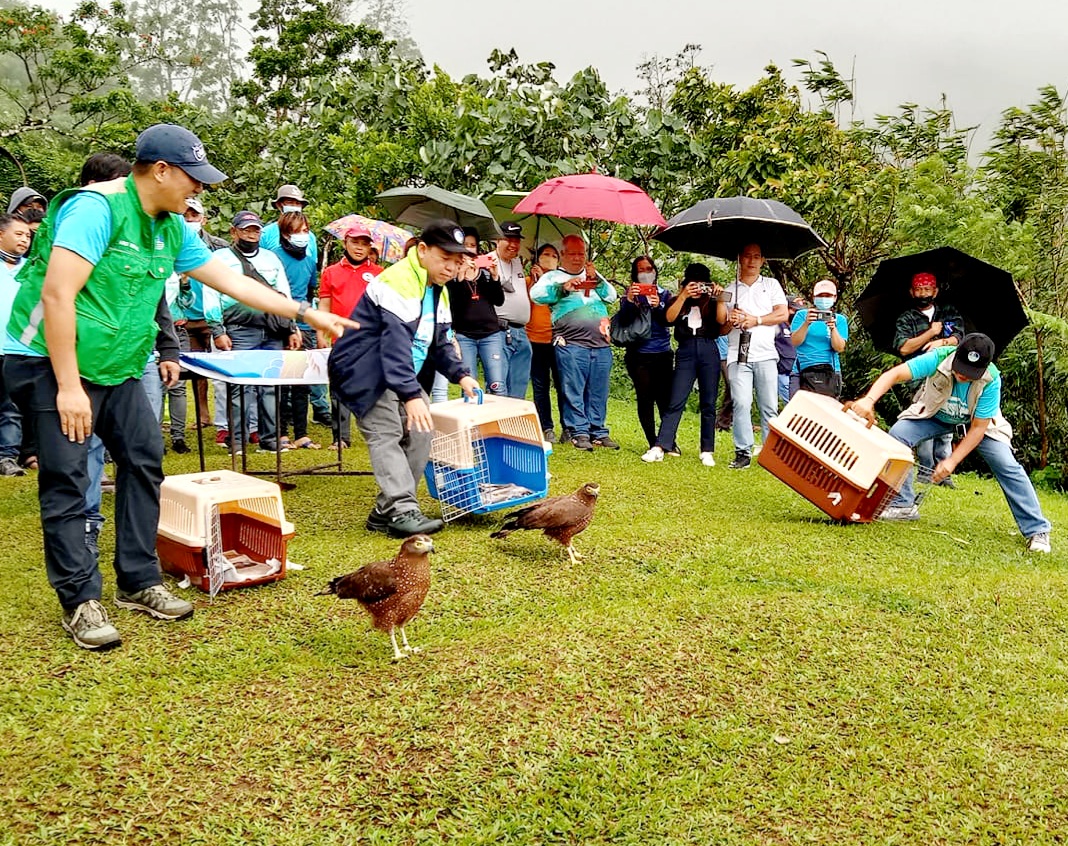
x=81, y=328
x=960, y=387
x=514, y=314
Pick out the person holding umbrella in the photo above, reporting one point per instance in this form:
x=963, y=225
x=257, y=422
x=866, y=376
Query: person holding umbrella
x=752, y=362
x=578, y=295
x=929, y=324
x=960, y=387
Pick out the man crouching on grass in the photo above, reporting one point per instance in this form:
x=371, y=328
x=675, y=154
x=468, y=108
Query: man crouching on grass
x=961, y=387
x=82, y=327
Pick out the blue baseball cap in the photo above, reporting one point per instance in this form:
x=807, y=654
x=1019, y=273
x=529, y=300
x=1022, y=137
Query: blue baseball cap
x=176, y=145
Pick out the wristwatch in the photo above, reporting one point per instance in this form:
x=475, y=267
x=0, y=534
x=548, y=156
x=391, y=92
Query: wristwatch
x=302, y=309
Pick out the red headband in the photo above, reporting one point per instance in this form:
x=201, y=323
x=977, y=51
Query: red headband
x=924, y=279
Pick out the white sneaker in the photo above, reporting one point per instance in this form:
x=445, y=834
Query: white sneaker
x=707, y=459
x=1039, y=543
x=654, y=454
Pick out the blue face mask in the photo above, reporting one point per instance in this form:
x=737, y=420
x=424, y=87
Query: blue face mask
x=299, y=239
x=823, y=303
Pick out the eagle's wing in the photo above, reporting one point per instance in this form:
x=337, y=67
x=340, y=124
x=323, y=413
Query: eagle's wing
x=371, y=583
x=554, y=513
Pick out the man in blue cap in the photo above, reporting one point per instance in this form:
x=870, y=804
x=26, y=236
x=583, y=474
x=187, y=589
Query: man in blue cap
x=960, y=386
x=81, y=328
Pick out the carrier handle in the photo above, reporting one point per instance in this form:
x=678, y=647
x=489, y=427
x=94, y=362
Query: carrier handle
x=479, y=393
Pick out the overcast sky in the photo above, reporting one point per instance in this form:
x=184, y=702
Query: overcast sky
x=984, y=56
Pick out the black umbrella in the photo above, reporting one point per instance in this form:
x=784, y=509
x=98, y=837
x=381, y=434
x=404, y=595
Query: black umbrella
x=986, y=296
x=723, y=227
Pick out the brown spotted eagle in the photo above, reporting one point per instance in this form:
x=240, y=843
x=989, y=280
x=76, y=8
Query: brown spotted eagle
x=392, y=592
x=559, y=518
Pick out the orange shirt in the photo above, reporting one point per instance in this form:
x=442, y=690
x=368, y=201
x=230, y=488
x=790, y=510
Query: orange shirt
x=540, y=327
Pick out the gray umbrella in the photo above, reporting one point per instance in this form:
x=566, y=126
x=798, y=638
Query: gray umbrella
x=419, y=206
x=722, y=227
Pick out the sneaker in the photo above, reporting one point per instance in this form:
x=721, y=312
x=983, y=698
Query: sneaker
x=88, y=624
x=1039, y=543
x=899, y=513
x=549, y=436
x=323, y=420
x=582, y=442
x=377, y=521
x=254, y=438
x=179, y=446
x=708, y=459
x=10, y=467
x=605, y=442
x=741, y=460
x=156, y=601
x=413, y=523
x=674, y=452
x=654, y=454
x=222, y=437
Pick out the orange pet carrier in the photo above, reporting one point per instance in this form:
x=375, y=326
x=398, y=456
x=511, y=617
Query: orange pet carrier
x=833, y=459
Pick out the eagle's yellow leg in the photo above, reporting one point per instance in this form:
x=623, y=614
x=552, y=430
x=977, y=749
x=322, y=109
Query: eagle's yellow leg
x=407, y=646
x=573, y=554
x=397, y=654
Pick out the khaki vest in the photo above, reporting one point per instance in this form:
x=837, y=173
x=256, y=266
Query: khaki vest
x=937, y=388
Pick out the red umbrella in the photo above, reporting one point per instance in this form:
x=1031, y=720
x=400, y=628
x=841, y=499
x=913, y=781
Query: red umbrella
x=593, y=196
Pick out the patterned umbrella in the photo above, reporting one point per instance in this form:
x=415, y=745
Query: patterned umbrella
x=389, y=239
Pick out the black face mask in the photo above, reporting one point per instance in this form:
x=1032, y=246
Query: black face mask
x=249, y=248
x=353, y=258
x=923, y=302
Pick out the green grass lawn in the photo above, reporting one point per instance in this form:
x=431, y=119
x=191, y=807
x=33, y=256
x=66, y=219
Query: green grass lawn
x=726, y=666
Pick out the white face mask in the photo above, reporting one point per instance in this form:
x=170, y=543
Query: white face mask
x=647, y=277
x=823, y=303
x=195, y=225
x=300, y=239
x=287, y=209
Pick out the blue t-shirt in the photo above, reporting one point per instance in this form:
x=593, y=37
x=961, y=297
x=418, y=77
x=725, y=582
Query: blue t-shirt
x=816, y=348
x=83, y=226
x=955, y=410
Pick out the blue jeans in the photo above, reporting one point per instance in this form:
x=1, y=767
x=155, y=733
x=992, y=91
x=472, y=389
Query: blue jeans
x=10, y=422
x=517, y=355
x=249, y=338
x=439, y=392
x=1017, y=487
x=153, y=386
x=585, y=372
x=490, y=351
x=929, y=453
x=696, y=359
x=93, y=496
x=764, y=377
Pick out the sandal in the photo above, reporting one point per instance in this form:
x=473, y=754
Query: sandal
x=31, y=463
x=344, y=445
x=304, y=443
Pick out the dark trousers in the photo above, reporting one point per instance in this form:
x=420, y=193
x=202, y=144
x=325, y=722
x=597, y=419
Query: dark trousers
x=543, y=373
x=696, y=359
x=651, y=375
x=124, y=421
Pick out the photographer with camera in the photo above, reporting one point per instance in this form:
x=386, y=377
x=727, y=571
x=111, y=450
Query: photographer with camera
x=698, y=314
x=648, y=361
x=819, y=334
x=752, y=362
x=473, y=297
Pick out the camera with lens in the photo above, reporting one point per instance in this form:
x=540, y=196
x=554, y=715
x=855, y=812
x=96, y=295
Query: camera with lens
x=822, y=315
x=744, y=337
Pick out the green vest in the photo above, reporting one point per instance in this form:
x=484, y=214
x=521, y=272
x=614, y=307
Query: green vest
x=116, y=310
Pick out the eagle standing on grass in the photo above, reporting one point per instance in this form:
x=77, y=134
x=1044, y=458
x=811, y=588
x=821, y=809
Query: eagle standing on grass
x=559, y=518
x=392, y=592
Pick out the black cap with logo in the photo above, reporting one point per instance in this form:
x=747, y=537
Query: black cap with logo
x=973, y=356
x=446, y=235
